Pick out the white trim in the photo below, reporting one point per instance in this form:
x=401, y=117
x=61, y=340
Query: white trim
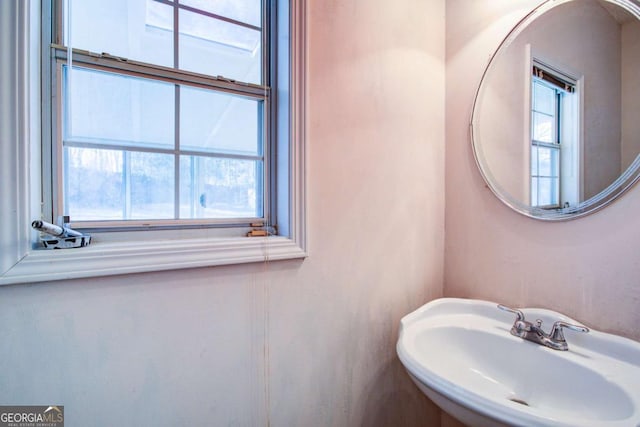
x=108, y=259
x=15, y=132
x=105, y=258
x=297, y=136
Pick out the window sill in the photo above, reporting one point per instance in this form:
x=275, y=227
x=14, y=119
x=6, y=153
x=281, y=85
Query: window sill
x=114, y=258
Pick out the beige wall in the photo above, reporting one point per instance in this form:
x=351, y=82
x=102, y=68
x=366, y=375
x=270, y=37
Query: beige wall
x=289, y=343
x=587, y=268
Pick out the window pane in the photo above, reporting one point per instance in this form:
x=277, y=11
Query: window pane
x=247, y=11
x=543, y=128
x=217, y=122
x=548, y=191
x=119, y=109
x=534, y=160
x=117, y=185
x=220, y=188
x=152, y=186
x=534, y=191
x=215, y=47
x=135, y=29
x=93, y=184
x=544, y=99
x=548, y=161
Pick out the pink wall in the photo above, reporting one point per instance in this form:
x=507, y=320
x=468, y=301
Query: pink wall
x=587, y=268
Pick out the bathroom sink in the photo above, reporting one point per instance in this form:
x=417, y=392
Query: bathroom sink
x=461, y=354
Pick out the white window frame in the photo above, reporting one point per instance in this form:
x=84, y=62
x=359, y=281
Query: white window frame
x=21, y=261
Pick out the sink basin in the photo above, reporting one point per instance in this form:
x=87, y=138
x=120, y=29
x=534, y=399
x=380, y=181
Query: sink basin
x=461, y=355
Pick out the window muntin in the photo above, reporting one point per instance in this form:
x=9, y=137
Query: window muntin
x=202, y=146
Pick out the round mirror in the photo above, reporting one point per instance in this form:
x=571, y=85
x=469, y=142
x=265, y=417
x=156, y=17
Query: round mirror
x=554, y=128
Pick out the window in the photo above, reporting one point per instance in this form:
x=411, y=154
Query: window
x=545, y=146
x=170, y=129
x=551, y=121
x=164, y=112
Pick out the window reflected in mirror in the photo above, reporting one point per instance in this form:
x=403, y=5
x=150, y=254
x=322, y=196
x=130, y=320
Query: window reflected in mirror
x=553, y=126
x=554, y=141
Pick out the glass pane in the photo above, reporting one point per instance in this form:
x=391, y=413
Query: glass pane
x=152, y=186
x=134, y=29
x=555, y=191
x=534, y=191
x=555, y=163
x=93, y=184
x=534, y=160
x=214, y=47
x=119, y=109
x=548, y=191
x=220, y=188
x=543, y=128
x=247, y=11
x=544, y=99
x=214, y=121
x=548, y=161
x=117, y=185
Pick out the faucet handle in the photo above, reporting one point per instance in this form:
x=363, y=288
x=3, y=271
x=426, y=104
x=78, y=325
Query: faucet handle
x=556, y=331
x=519, y=314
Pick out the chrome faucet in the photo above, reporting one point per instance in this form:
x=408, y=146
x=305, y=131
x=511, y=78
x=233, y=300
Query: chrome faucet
x=530, y=332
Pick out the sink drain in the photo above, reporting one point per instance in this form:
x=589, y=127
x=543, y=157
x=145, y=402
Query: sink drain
x=520, y=401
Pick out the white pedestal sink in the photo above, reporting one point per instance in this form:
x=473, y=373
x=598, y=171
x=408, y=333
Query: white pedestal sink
x=461, y=355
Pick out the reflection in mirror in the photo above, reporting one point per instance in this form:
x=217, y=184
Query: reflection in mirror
x=554, y=127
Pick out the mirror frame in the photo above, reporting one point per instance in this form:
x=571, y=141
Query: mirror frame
x=624, y=182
